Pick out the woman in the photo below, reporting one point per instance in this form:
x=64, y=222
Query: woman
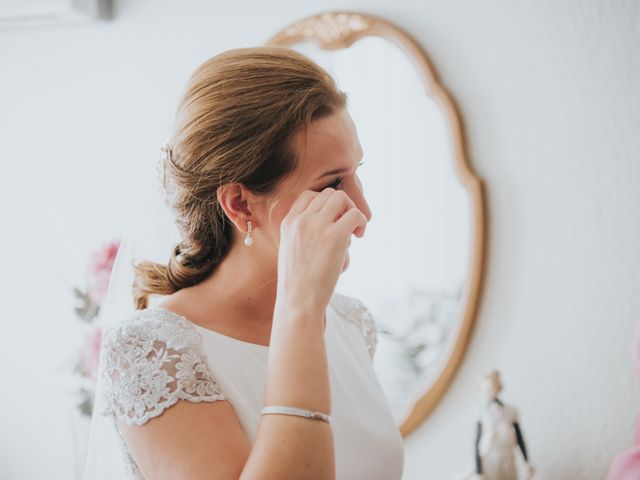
x=261, y=176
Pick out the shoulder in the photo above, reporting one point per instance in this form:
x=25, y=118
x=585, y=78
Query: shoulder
x=144, y=327
x=355, y=311
x=149, y=362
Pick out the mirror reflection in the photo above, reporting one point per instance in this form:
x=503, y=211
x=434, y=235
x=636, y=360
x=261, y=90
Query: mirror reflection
x=411, y=267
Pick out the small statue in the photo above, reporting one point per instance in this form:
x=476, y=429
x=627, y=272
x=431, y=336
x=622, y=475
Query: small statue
x=498, y=433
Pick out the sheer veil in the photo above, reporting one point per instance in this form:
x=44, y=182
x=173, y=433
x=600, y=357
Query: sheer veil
x=150, y=235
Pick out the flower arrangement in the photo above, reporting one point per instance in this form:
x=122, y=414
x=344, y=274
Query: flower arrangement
x=89, y=300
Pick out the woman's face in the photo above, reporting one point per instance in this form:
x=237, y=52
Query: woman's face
x=329, y=157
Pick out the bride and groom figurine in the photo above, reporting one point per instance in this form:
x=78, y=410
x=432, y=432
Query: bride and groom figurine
x=498, y=434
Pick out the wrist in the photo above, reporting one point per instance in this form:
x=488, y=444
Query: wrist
x=298, y=307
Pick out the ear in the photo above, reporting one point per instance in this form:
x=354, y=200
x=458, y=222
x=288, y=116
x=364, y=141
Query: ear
x=236, y=200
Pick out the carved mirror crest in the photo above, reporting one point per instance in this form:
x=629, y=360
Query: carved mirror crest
x=419, y=267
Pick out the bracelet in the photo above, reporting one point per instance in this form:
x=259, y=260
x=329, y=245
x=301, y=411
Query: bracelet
x=300, y=412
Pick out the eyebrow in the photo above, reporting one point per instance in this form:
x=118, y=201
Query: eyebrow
x=333, y=172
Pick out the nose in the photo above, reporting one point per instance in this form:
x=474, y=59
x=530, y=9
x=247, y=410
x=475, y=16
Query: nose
x=361, y=203
x=363, y=206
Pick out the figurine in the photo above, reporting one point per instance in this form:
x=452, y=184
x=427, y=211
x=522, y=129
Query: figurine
x=498, y=434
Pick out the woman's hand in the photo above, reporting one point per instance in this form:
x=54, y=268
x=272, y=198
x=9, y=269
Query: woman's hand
x=314, y=237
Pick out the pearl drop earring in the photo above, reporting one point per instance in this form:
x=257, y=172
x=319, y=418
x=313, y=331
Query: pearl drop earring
x=248, y=239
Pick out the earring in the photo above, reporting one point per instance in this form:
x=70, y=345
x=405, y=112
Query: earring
x=248, y=240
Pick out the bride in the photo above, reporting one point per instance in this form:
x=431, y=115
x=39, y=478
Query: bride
x=250, y=366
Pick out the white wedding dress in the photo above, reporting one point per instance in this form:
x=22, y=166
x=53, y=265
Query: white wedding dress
x=158, y=357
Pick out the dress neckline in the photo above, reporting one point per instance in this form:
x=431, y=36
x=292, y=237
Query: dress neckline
x=207, y=331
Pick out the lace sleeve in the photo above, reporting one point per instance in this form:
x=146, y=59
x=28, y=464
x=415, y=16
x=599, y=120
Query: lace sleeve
x=150, y=363
x=355, y=311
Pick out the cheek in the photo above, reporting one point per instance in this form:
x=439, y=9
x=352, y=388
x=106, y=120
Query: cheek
x=277, y=213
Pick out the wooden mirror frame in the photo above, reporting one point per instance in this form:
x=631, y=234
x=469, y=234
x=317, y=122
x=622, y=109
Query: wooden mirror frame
x=337, y=30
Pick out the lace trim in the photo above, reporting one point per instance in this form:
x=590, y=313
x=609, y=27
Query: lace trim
x=151, y=362
x=356, y=312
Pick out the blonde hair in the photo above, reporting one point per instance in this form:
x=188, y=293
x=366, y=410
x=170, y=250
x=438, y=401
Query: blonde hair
x=234, y=123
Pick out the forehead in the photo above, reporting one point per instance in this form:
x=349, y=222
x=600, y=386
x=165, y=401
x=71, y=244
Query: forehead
x=331, y=142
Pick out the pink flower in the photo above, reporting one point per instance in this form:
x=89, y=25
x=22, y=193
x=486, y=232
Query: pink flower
x=90, y=354
x=100, y=270
x=626, y=466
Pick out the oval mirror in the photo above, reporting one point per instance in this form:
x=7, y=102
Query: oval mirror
x=419, y=267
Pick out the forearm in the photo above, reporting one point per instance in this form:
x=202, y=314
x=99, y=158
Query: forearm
x=288, y=446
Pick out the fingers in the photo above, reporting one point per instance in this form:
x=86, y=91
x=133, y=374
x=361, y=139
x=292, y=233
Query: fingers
x=302, y=202
x=336, y=204
x=350, y=221
x=332, y=205
x=310, y=200
x=320, y=199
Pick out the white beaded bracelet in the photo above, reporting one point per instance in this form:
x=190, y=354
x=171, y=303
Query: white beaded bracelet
x=301, y=412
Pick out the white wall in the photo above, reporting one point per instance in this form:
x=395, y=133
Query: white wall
x=550, y=97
